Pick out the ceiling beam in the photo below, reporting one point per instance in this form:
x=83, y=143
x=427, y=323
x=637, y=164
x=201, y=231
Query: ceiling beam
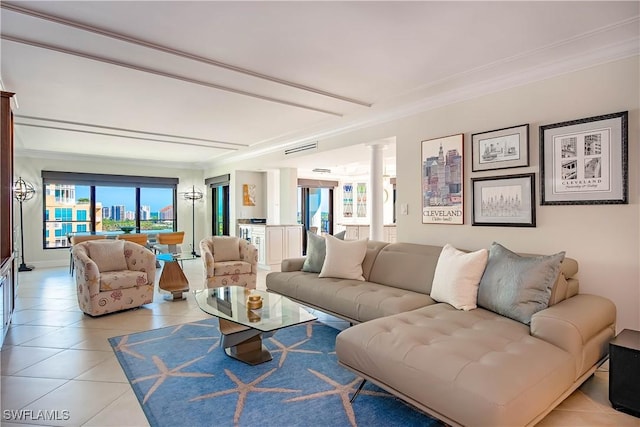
x=229, y=145
x=115, y=135
x=176, y=52
x=164, y=74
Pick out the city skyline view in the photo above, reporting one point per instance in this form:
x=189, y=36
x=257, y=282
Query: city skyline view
x=155, y=198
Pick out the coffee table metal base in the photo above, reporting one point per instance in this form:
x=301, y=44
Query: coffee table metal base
x=244, y=343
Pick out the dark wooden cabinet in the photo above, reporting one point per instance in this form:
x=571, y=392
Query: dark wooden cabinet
x=624, y=372
x=8, y=270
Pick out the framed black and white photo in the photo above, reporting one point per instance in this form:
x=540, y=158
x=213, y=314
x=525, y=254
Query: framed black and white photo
x=500, y=148
x=507, y=201
x=442, y=168
x=584, y=162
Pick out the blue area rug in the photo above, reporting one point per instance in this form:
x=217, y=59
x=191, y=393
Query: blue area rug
x=182, y=377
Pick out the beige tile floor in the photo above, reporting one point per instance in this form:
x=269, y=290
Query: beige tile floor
x=56, y=358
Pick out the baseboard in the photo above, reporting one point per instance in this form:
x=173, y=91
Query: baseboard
x=49, y=264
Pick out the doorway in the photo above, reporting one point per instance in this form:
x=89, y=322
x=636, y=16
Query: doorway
x=219, y=204
x=315, y=206
x=220, y=196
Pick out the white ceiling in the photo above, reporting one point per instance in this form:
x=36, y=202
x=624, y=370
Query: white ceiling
x=193, y=83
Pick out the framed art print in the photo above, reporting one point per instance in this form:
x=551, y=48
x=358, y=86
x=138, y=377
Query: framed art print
x=507, y=201
x=500, y=149
x=442, y=168
x=248, y=194
x=585, y=161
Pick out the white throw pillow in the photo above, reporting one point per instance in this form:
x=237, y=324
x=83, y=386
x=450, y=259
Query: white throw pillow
x=344, y=258
x=457, y=277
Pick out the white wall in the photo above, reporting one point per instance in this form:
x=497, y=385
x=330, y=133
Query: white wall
x=30, y=169
x=603, y=238
x=239, y=178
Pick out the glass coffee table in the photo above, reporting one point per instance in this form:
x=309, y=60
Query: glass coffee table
x=244, y=328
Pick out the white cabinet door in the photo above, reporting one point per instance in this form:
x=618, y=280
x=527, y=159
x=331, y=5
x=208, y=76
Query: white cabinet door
x=258, y=240
x=352, y=232
x=392, y=235
x=275, y=245
x=294, y=242
x=363, y=232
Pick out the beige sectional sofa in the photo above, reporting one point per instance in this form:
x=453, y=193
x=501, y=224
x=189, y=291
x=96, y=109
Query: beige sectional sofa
x=474, y=367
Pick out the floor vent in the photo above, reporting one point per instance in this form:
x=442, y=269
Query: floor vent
x=305, y=147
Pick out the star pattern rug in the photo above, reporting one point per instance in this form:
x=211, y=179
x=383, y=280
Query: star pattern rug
x=182, y=377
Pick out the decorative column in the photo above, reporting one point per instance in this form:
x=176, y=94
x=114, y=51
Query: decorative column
x=376, y=191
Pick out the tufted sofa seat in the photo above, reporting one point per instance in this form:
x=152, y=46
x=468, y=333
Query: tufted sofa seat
x=473, y=368
x=482, y=367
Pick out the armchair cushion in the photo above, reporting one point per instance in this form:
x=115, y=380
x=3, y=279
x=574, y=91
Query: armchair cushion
x=231, y=267
x=112, y=280
x=226, y=248
x=108, y=254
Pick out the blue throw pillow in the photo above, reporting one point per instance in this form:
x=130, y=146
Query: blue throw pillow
x=517, y=286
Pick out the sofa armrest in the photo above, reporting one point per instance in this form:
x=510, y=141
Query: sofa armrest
x=292, y=264
x=582, y=325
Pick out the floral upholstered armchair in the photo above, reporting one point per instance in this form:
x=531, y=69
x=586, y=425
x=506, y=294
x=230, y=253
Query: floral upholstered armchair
x=113, y=275
x=229, y=261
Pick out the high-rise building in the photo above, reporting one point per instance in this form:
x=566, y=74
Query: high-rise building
x=117, y=213
x=145, y=213
x=65, y=215
x=166, y=213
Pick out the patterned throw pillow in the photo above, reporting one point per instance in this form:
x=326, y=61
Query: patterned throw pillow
x=517, y=286
x=108, y=254
x=226, y=248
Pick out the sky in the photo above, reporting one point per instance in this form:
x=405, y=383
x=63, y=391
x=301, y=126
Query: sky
x=156, y=198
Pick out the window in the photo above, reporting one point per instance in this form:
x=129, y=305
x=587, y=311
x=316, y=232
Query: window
x=79, y=202
x=156, y=209
x=64, y=214
x=118, y=206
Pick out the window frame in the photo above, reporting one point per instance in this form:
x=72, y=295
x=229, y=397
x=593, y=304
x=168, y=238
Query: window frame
x=101, y=180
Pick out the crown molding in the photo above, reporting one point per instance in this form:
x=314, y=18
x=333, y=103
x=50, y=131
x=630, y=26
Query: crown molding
x=176, y=52
x=603, y=55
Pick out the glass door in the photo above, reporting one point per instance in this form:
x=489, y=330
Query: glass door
x=319, y=210
x=220, y=197
x=315, y=210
